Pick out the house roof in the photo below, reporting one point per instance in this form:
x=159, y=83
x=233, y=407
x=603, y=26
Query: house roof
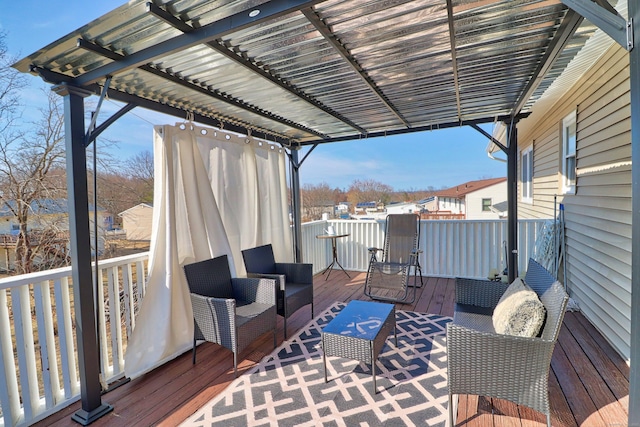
x=306, y=72
x=139, y=205
x=500, y=208
x=460, y=191
x=42, y=207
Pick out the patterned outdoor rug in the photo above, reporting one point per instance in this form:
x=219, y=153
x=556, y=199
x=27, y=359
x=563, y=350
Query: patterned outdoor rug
x=287, y=387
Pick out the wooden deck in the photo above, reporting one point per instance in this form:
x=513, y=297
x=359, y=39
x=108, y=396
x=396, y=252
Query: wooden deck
x=589, y=383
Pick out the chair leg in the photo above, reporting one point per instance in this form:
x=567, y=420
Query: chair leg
x=194, y=350
x=451, y=418
x=548, y=420
x=235, y=364
x=285, y=326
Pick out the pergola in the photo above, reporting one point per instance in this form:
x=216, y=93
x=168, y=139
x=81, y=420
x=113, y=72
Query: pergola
x=303, y=73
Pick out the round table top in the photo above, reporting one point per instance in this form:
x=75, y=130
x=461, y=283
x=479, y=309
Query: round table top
x=330, y=236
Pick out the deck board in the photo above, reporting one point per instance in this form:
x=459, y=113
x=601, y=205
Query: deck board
x=589, y=381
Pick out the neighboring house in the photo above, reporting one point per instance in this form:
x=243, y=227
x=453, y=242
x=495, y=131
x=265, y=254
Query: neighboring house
x=49, y=215
x=137, y=220
x=366, y=207
x=341, y=210
x=472, y=199
x=575, y=148
x=402, y=208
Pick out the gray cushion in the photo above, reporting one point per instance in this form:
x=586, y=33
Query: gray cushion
x=519, y=311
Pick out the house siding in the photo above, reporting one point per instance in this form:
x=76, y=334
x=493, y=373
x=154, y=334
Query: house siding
x=137, y=221
x=598, y=216
x=497, y=193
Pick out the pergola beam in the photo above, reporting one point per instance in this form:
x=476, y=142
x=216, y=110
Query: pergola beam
x=426, y=128
x=56, y=78
x=239, y=21
x=87, y=45
x=604, y=18
x=568, y=27
x=330, y=38
x=454, y=56
x=250, y=65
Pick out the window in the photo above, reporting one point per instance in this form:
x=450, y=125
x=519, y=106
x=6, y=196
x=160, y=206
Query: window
x=486, y=205
x=569, y=154
x=527, y=175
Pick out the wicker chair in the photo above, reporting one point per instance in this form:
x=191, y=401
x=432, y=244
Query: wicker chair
x=229, y=311
x=388, y=274
x=294, y=280
x=485, y=363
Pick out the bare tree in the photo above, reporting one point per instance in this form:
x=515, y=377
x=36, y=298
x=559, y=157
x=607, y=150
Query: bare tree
x=31, y=167
x=139, y=169
x=317, y=199
x=11, y=82
x=369, y=191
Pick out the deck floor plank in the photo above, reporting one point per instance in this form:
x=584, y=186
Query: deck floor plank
x=171, y=393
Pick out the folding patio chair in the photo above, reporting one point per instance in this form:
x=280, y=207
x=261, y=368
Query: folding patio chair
x=387, y=277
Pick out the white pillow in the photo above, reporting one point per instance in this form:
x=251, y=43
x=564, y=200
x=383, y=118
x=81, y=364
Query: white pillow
x=519, y=311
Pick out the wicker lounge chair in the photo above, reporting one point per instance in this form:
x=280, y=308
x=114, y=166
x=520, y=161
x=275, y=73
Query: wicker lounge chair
x=229, y=311
x=485, y=363
x=387, y=276
x=294, y=280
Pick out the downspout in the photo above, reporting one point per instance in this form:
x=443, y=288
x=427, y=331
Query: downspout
x=634, y=64
x=512, y=203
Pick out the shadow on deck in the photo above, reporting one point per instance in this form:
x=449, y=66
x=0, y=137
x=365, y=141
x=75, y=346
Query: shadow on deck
x=589, y=383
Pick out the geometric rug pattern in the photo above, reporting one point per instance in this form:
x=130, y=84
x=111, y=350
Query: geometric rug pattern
x=287, y=387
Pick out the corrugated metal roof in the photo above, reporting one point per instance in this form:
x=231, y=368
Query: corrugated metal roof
x=318, y=71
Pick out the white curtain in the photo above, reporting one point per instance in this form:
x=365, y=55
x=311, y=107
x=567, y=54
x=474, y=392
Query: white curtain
x=248, y=179
x=194, y=166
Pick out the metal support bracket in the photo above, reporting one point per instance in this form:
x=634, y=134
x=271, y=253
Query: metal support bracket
x=630, y=35
x=94, y=116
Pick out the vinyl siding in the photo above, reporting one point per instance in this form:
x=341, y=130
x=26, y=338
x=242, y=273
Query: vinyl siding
x=598, y=216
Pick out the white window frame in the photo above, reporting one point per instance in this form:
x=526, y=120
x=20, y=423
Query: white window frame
x=526, y=174
x=568, y=141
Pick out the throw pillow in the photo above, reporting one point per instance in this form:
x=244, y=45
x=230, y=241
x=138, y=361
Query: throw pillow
x=519, y=311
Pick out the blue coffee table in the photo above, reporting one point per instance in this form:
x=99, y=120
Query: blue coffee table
x=359, y=332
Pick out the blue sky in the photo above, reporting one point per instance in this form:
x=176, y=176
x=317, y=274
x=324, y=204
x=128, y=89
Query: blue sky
x=442, y=158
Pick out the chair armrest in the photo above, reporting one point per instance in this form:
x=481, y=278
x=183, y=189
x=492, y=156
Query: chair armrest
x=279, y=278
x=254, y=290
x=482, y=293
x=218, y=304
x=493, y=364
x=296, y=272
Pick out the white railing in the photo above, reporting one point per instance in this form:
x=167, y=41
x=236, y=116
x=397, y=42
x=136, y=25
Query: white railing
x=450, y=248
x=38, y=361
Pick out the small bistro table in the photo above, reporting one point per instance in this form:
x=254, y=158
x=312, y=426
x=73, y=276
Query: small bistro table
x=334, y=252
x=359, y=332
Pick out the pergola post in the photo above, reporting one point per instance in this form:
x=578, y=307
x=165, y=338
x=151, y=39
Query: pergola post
x=512, y=199
x=80, y=241
x=634, y=63
x=295, y=204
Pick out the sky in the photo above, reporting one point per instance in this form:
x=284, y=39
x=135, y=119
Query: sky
x=439, y=159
